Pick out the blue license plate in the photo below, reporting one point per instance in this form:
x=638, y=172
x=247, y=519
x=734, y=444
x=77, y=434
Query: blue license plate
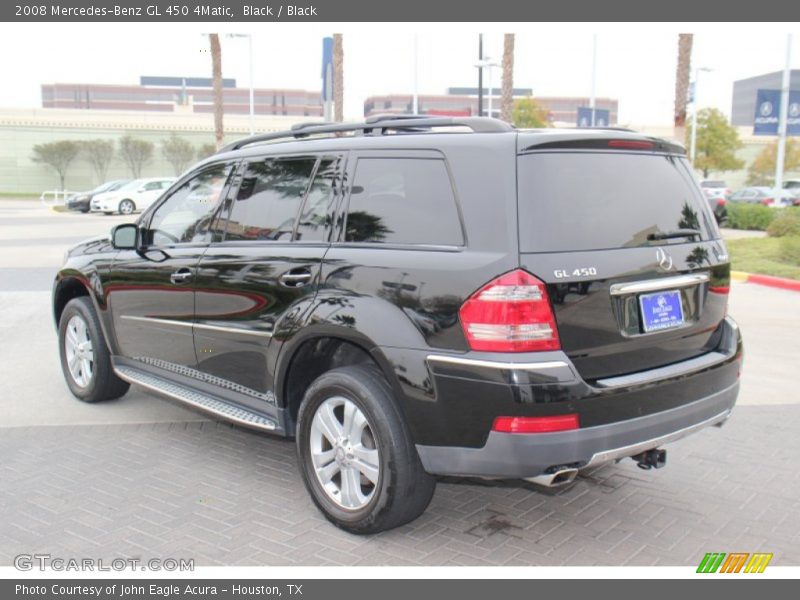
x=661, y=310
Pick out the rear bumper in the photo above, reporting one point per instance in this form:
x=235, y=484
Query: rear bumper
x=620, y=416
x=528, y=455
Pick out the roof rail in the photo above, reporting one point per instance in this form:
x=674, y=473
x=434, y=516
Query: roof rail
x=377, y=126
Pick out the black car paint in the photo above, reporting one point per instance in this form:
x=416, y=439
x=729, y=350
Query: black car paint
x=400, y=305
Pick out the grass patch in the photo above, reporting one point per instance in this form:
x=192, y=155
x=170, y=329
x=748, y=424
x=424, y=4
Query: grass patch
x=767, y=256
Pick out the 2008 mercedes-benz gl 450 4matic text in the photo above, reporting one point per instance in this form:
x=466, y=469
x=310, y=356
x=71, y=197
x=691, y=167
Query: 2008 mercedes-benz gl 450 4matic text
x=418, y=297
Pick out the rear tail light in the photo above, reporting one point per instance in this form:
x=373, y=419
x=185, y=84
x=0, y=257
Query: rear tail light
x=536, y=424
x=510, y=314
x=767, y=201
x=721, y=202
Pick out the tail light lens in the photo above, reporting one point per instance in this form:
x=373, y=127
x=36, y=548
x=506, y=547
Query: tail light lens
x=536, y=424
x=767, y=201
x=510, y=314
x=721, y=202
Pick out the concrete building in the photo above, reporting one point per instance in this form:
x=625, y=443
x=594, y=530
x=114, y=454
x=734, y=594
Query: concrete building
x=176, y=94
x=463, y=102
x=743, y=109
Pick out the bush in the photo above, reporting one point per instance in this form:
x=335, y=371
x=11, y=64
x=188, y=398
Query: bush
x=790, y=249
x=786, y=223
x=749, y=216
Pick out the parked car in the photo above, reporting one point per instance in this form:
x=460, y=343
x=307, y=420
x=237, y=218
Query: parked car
x=762, y=195
x=716, y=185
x=81, y=201
x=501, y=303
x=135, y=195
x=716, y=201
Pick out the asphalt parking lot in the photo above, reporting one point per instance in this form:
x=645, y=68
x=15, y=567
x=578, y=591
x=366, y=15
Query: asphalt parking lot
x=142, y=477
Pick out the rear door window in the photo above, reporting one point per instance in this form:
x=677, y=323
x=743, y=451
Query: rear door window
x=403, y=201
x=269, y=199
x=572, y=201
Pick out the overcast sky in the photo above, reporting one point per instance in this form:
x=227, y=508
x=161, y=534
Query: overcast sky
x=635, y=63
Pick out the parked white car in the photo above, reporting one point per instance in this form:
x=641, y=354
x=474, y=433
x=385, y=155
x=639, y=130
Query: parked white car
x=136, y=195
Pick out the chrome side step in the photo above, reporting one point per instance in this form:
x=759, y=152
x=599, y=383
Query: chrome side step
x=199, y=400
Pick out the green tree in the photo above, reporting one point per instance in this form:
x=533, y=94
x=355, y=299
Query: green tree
x=178, y=152
x=58, y=155
x=762, y=169
x=529, y=114
x=99, y=154
x=717, y=143
x=136, y=154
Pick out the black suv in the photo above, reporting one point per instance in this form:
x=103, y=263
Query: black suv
x=419, y=297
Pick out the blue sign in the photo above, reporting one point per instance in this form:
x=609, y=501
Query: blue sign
x=327, y=61
x=662, y=310
x=768, y=110
x=601, y=117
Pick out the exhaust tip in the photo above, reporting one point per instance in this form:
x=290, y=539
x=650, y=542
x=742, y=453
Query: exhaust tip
x=556, y=479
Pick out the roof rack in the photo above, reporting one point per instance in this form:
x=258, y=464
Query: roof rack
x=377, y=125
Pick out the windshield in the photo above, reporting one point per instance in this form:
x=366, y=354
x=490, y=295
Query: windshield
x=572, y=201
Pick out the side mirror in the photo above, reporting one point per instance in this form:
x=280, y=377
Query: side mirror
x=125, y=236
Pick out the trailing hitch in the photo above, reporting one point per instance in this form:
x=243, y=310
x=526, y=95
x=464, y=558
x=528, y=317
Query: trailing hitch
x=651, y=459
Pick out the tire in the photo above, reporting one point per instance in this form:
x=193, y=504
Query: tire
x=93, y=380
x=402, y=490
x=126, y=207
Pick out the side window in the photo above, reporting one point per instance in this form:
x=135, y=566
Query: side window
x=185, y=215
x=152, y=186
x=403, y=201
x=269, y=199
x=313, y=224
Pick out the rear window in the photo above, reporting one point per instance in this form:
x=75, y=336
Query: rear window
x=593, y=201
x=403, y=201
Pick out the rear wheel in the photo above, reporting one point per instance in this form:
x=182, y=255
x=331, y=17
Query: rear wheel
x=85, y=359
x=357, y=457
x=126, y=207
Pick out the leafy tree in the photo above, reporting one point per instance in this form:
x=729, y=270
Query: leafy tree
x=762, y=169
x=717, y=143
x=58, y=155
x=136, y=154
x=178, y=152
x=205, y=150
x=99, y=154
x=529, y=114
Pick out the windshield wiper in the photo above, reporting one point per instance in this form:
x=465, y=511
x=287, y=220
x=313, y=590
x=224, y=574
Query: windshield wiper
x=675, y=233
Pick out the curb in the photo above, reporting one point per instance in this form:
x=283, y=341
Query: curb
x=768, y=280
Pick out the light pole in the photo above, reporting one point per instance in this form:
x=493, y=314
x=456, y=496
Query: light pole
x=782, y=117
x=488, y=63
x=252, y=98
x=693, y=146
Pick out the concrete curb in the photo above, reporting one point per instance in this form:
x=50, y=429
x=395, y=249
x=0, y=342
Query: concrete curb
x=767, y=280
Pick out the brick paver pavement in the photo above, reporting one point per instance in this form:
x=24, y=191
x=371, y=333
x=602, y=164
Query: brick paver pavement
x=228, y=496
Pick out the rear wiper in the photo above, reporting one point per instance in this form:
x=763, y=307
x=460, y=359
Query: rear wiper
x=675, y=233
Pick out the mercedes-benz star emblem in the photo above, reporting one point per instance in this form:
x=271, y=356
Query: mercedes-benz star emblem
x=664, y=259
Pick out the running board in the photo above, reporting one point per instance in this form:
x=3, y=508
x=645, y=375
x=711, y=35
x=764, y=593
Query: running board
x=199, y=400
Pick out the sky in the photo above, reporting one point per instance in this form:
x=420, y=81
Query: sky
x=635, y=62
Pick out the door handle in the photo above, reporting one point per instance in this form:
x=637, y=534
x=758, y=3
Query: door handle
x=181, y=276
x=296, y=278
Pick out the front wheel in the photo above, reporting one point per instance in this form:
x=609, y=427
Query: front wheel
x=357, y=457
x=126, y=207
x=85, y=358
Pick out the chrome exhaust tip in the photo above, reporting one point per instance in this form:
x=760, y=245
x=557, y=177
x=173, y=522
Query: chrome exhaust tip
x=555, y=479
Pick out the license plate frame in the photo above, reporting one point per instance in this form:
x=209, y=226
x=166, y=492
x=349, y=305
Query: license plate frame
x=661, y=311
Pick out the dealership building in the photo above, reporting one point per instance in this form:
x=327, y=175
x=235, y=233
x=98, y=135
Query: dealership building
x=181, y=94
x=463, y=102
x=743, y=108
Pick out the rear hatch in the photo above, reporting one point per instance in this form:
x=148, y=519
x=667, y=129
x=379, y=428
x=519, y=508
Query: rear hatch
x=622, y=235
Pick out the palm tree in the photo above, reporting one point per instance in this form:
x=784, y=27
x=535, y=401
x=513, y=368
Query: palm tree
x=338, y=78
x=507, y=97
x=682, y=82
x=216, y=73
